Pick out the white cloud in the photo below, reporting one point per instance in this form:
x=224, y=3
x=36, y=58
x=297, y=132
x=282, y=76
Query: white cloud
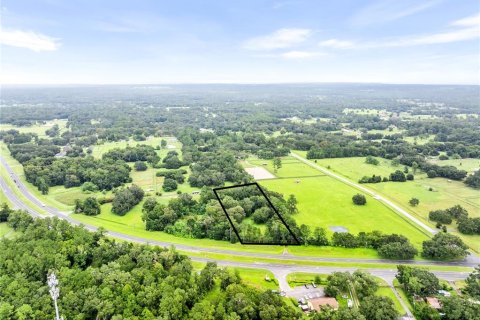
x=280, y=39
x=389, y=10
x=437, y=38
x=466, y=29
x=299, y=54
x=468, y=21
x=337, y=44
x=28, y=39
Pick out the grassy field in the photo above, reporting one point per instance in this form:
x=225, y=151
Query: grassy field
x=296, y=279
x=470, y=165
x=402, y=294
x=326, y=202
x=291, y=168
x=172, y=144
x=256, y=278
x=6, y=231
x=38, y=128
x=444, y=195
x=251, y=276
x=384, y=290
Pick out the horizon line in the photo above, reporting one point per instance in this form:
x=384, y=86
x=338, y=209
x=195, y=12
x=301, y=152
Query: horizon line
x=231, y=83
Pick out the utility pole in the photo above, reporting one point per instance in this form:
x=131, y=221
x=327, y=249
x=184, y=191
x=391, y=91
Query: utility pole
x=52, y=282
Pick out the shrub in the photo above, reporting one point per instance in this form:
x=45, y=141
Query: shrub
x=89, y=206
x=126, y=199
x=359, y=199
x=398, y=176
x=440, y=216
x=89, y=187
x=371, y=160
x=169, y=185
x=140, y=166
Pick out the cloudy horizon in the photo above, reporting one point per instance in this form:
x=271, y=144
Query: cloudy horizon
x=84, y=42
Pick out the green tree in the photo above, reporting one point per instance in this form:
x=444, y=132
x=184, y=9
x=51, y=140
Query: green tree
x=417, y=281
x=371, y=160
x=378, y=308
x=207, y=277
x=456, y=307
x=140, y=166
x=169, y=185
x=398, y=176
x=444, y=246
x=319, y=237
x=202, y=311
x=398, y=250
x=90, y=206
x=414, y=167
x=414, y=202
x=337, y=283
x=292, y=204
x=424, y=312
x=359, y=199
x=472, y=287
x=277, y=164
x=163, y=143
x=348, y=314
x=4, y=212
x=365, y=284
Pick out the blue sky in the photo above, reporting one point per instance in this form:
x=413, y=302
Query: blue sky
x=240, y=41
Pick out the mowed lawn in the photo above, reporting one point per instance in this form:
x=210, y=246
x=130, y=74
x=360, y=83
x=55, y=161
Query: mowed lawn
x=445, y=193
x=326, y=202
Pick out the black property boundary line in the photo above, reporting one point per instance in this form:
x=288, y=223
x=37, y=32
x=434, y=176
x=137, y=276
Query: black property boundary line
x=270, y=204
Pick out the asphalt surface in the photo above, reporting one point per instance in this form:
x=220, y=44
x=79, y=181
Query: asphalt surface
x=278, y=269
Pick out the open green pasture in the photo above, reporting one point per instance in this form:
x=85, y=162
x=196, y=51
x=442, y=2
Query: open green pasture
x=355, y=168
x=326, y=202
x=470, y=164
x=250, y=276
x=172, y=144
x=38, y=128
x=257, y=278
x=445, y=193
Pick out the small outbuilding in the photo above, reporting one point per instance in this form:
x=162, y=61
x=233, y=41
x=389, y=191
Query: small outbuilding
x=318, y=303
x=433, y=302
